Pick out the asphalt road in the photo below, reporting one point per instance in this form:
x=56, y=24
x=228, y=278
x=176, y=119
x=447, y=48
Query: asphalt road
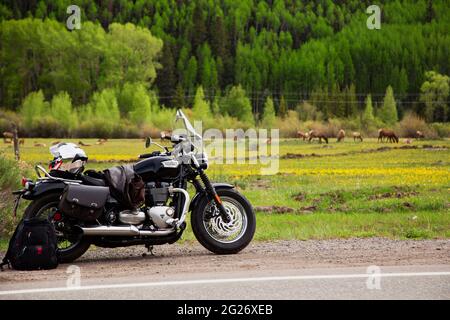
x=412, y=282
x=315, y=269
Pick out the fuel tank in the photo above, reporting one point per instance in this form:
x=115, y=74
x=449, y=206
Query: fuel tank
x=153, y=169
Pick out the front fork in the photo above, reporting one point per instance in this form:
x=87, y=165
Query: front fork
x=212, y=194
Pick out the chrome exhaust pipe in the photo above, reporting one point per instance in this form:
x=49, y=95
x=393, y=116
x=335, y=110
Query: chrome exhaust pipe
x=111, y=231
x=159, y=233
x=123, y=231
x=184, y=211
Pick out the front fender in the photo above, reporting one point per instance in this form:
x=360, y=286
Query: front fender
x=199, y=195
x=43, y=187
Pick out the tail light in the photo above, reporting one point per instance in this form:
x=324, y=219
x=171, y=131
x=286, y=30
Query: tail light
x=27, y=183
x=57, y=216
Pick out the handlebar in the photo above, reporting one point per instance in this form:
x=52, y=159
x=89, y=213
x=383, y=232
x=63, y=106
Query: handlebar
x=149, y=155
x=165, y=136
x=173, y=138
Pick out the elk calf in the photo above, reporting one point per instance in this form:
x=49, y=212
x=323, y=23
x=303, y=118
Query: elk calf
x=357, y=136
x=420, y=135
x=341, y=135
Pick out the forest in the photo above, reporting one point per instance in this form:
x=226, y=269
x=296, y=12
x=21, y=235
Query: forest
x=251, y=62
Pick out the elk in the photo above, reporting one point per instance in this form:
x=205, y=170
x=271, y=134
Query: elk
x=420, y=135
x=101, y=141
x=341, y=135
x=302, y=135
x=39, y=144
x=315, y=134
x=81, y=143
x=8, y=137
x=22, y=141
x=388, y=134
x=357, y=136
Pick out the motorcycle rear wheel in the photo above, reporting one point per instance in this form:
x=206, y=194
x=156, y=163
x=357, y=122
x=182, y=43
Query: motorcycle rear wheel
x=70, y=247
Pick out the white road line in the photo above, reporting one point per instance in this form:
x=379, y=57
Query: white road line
x=231, y=280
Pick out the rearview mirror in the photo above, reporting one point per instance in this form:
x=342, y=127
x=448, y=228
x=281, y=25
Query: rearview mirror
x=148, y=142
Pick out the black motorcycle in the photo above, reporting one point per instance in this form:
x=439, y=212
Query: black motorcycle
x=87, y=209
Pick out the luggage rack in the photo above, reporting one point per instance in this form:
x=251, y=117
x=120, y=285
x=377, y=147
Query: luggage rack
x=41, y=170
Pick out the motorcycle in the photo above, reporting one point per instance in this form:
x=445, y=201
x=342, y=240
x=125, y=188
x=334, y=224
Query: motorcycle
x=222, y=219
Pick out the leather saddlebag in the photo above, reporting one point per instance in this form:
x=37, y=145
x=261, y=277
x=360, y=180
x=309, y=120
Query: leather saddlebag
x=83, y=202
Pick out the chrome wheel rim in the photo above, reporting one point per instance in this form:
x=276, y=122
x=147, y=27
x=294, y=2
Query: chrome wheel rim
x=222, y=231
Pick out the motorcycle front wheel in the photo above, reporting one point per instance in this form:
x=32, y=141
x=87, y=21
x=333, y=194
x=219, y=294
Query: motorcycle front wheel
x=70, y=246
x=224, y=237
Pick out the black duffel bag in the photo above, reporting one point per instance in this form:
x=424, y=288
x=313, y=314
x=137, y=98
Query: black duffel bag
x=83, y=202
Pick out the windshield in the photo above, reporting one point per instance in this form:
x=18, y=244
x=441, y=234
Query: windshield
x=192, y=135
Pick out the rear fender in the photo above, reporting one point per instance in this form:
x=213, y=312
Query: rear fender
x=44, y=187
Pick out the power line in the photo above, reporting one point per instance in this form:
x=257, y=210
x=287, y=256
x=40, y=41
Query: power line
x=301, y=100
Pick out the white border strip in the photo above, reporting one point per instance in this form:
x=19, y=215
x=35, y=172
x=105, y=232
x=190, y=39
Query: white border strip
x=231, y=280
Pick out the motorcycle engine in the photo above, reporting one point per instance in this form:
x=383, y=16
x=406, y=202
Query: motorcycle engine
x=157, y=211
x=160, y=215
x=134, y=217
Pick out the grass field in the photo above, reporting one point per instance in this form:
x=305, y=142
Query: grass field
x=324, y=191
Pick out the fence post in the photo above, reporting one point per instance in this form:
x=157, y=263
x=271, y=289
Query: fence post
x=16, y=142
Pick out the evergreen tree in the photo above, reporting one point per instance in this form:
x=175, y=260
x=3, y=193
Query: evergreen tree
x=190, y=76
x=199, y=29
x=368, y=118
x=179, y=101
x=282, y=108
x=431, y=14
x=268, y=118
x=388, y=112
x=351, y=101
x=218, y=37
x=166, y=80
x=201, y=109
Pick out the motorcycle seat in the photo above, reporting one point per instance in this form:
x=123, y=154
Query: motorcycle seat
x=93, y=181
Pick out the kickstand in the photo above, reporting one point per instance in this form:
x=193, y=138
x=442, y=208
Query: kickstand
x=150, y=249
